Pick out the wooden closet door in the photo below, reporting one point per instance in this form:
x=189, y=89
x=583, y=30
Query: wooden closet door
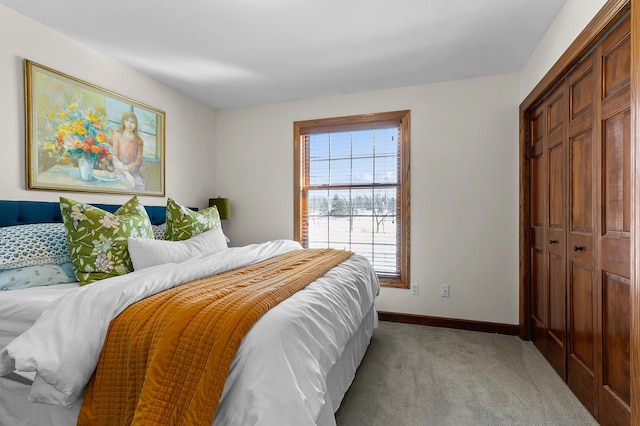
x=548, y=271
x=614, y=237
x=581, y=232
x=538, y=228
x=556, y=336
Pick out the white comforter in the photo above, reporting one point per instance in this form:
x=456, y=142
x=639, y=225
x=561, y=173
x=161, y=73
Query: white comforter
x=279, y=362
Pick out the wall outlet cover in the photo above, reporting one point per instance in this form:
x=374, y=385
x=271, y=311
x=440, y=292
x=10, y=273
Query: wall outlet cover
x=444, y=290
x=415, y=289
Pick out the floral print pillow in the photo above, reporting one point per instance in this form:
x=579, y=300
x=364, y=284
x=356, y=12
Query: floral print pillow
x=184, y=223
x=98, y=240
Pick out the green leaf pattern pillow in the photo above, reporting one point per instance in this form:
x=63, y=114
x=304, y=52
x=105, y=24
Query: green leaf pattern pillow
x=184, y=223
x=98, y=240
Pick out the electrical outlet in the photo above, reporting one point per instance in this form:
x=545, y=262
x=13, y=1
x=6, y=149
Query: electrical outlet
x=415, y=289
x=444, y=290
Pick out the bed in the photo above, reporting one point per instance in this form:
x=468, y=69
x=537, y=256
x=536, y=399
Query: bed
x=292, y=367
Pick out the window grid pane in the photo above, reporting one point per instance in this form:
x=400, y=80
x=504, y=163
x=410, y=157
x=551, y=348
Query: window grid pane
x=362, y=218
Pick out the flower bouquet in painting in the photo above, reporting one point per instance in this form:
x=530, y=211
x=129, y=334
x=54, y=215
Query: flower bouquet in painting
x=79, y=134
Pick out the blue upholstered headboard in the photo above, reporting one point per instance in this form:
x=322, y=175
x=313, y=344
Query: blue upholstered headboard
x=24, y=212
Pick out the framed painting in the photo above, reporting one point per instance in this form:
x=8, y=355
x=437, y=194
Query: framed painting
x=83, y=138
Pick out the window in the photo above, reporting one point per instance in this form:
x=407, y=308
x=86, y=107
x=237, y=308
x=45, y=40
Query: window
x=352, y=188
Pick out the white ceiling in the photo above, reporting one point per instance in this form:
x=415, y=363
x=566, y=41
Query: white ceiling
x=231, y=53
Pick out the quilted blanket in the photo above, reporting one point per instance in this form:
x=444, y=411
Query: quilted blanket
x=166, y=358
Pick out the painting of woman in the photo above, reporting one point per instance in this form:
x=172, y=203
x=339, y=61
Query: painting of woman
x=127, y=152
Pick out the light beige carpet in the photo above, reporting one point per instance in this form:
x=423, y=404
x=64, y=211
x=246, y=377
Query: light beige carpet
x=415, y=375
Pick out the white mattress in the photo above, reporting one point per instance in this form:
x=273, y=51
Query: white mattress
x=293, y=366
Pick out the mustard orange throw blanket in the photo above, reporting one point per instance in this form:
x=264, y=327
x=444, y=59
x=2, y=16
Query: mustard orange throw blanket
x=166, y=358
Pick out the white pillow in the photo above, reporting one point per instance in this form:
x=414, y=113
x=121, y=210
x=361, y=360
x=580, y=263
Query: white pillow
x=147, y=252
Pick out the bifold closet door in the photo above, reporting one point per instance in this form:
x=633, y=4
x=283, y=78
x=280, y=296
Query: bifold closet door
x=581, y=232
x=538, y=263
x=556, y=333
x=548, y=271
x=614, y=237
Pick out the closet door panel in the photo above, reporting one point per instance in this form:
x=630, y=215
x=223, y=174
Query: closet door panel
x=581, y=183
x=581, y=314
x=555, y=112
x=614, y=274
x=581, y=302
x=581, y=85
x=616, y=159
x=538, y=300
x=614, y=236
x=556, y=332
x=555, y=181
x=616, y=60
x=556, y=338
x=581, y=362
x=615, y=395
x=537, y=192
x=538, y=230
x=580, y=234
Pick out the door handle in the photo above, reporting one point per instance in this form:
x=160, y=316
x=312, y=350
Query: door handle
x=577, y=248
x=553, y=241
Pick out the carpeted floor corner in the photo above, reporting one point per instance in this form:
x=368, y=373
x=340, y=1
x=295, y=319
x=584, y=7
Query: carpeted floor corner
x=414, y=375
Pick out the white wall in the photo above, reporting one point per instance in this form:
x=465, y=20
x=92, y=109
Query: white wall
x=464, y=187
x=190, y=126
x=571, y=20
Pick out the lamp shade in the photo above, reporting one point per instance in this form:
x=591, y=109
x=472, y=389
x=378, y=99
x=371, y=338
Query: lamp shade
x=223, y=205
